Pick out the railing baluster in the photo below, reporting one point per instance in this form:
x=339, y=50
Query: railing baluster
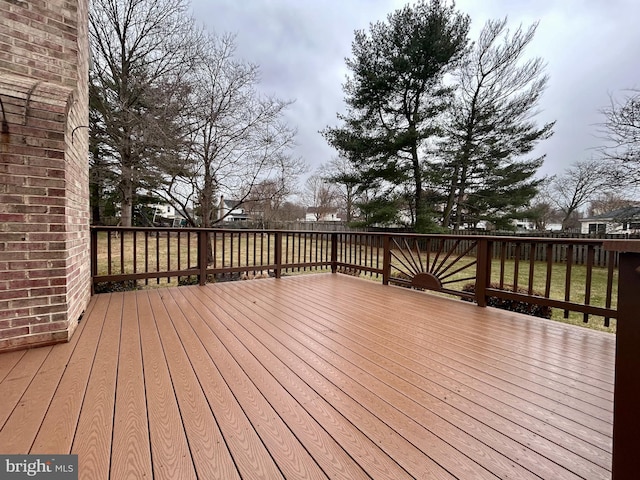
x=168, y=254
x=611, y=261
x=122, y=234
x=189, y=249
x=547, y=283
x=203, y=238
x=587, y=286
x=146, y=255
x=503, y=255
x=516, y=267
x=158, y=255
x=567, y=281
x=109, y=252
x=532, y=255
x=297, y=238
x=179, y=250
x=386, y=260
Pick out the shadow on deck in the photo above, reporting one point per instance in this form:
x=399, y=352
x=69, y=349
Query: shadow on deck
x=313, y=377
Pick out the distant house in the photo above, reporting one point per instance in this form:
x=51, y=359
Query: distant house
x=166, y=215
x=315, y=214
x=526, y=225
x=231, y=211
x=623, y=220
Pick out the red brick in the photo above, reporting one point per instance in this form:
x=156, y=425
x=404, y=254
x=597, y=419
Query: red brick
x=9, y=255
x=45, y=309
x=23, y=190
x=29, y=283
x=28, y=265
x=14, y=332
x=23, y=227
x=12, y=217
x=46, y=273
x=13, y=313
x=13, y=294
x=49, y=327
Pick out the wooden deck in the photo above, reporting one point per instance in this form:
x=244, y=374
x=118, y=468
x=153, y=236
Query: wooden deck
x=316, y=376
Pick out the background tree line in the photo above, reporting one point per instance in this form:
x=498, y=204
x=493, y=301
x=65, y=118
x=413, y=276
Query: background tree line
x=438, y=133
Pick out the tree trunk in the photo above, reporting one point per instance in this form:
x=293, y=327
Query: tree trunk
x=421, y=221
x=462, y=187
x=446, y=217
x=126, y=207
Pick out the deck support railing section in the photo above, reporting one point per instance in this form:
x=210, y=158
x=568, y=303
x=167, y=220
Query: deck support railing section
x=537, y=271
x=540, y=271
x=626, y=402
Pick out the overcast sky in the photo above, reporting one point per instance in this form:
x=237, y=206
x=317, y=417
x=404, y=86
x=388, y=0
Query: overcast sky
x=592, y=49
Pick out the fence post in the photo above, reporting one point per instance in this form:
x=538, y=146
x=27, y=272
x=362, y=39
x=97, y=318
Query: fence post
x=386, y=259
x=483, y=270
x=626, y=400
x=278, y=254
x=334, y=252
x=203, y=238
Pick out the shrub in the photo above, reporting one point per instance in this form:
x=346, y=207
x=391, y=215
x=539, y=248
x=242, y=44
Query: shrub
x=527, y=308
x=108, y=287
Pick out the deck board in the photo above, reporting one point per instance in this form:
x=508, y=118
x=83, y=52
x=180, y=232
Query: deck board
x=130, y=452
x=92, y=441
x=59, y=424
x=211, y=456
x=313, y=376
x=169, y=446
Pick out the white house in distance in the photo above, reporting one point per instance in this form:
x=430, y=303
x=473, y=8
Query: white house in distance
x=623, y=220
x=164, y=214
x=229, y=211
x=315, y=214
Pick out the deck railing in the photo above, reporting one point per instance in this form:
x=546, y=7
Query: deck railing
x=566, y=274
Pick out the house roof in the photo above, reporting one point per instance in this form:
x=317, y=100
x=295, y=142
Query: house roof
x=621, y=214
x=231, y=203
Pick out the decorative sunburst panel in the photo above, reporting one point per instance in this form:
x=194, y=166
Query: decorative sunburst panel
x=433, y=263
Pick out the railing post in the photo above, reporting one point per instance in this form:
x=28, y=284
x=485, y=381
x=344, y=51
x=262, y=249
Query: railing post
x=278, y=254
x=386, y=260
x=483, y=271
x=203, y=238
x=334, y=252
x=626, y=400
x=94, y=258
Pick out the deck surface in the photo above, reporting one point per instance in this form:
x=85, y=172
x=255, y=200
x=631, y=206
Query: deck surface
x=313, y=376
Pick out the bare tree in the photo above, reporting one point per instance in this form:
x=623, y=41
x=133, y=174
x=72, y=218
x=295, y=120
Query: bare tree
x=266, y=200
x=621, y=132
x=142, y=50
x=491, y=129
x=576, y=187
x=609, y=202
x=320, y=196
x=343, y=175
x=238, y=141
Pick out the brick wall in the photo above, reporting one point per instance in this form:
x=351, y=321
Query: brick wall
x=44, y=206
